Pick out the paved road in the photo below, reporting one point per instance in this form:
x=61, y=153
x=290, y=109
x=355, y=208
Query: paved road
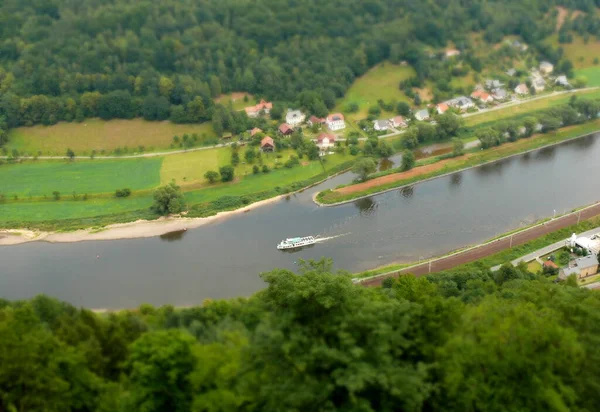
x=490, y=248
x=548, y=249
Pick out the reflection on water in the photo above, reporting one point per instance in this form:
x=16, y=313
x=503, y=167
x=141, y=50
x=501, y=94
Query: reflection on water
x=367, y=206
x=456, y=179
x=407, y=191
x=298, y=249
x=385, y=164
x=547, y=153
x=495, y=168
x=173, y=236
x=525, y=158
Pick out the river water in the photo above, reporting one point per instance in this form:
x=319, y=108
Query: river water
x=223, y=259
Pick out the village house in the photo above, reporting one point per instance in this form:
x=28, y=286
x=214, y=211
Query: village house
x=580, y=267
x=499, y=94
x=294, y=117
x=550, y=264
x=511, y=72
x=267, y=144
x=591, y=244
x=316, y=120
x=325, y=141
x=461, y=103
x=398, y=121
x=441, y=108
x=522, y=89
x=255, y=131
x=546, y=67
x=381, y=125
x=482, y=96
x=285, y=129
x=422, y=115
x=562, y=81
x=336, y=121
x=262, y=107
x=538, y=84
x=518, y=45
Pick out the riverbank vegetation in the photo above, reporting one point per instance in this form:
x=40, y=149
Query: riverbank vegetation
x=492, y=138
x=443, y=342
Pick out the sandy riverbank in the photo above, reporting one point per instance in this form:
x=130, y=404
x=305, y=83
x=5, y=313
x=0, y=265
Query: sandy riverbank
x=131, y=230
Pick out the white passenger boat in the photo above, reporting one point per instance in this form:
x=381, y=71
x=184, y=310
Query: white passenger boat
x=296, y=242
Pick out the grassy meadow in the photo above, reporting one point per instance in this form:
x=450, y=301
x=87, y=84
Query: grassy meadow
x=236, y=99
x=100, y=135
x=580, y=53
x=381, y=82
x=591, y=73
x=41, y=178
x=188, y=169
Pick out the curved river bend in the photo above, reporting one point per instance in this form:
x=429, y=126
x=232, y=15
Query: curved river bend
x=223, y=259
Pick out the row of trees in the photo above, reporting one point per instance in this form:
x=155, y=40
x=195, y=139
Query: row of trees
x=459, y=341
x=577, y=111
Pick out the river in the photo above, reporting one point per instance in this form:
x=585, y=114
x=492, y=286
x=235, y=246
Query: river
x=223, y=259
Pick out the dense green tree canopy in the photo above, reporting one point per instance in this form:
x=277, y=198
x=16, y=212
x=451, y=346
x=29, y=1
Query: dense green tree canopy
x=464, y=340
x=61, y=60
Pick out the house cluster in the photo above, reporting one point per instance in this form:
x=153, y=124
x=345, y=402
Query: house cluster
x=460, y=103
x=584, y=266
x=294, y=119
x=393, y=123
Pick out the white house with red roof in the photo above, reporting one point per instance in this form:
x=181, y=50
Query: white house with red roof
x=262, y=107
x=398, y=121
x=482, y=96
x=336, y=121
x=442, y=108
x=326, y=141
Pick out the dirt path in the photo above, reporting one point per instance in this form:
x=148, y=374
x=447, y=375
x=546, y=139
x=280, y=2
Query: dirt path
x=395, y=177
x=492, y=247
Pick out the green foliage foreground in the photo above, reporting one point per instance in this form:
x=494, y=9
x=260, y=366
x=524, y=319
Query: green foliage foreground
x=314, y=341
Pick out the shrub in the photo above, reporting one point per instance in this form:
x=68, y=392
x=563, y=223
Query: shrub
x=227, y=173
x=56, y=195
x=123, y=192
x=255, y=169
x=265, y=169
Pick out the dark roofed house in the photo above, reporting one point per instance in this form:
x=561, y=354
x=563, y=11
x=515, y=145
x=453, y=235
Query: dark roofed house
x=285, y=129
x=316, y=120
x=267, y=144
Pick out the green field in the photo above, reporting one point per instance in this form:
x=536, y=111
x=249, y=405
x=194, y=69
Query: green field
x=381, y=82
x=189, y=168
x=581, y=54
x=591, y=73
x=99, y=179
x=528, y=107
x=41, y=178
x=100, y=135
x=236, y=99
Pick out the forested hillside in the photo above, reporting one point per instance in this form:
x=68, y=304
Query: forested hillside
x=68, y=60
x=461, y=341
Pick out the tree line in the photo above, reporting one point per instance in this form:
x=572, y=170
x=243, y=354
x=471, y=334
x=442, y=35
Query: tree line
x=463, y=340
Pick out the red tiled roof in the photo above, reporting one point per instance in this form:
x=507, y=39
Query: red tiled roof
x=285, y=128
x=267, y=141
x=335, y=116
x=442, y=107
x=315, y=119
x=329, y=136
x=398, y=119
x=550, y=264
x=255, y=130
x=260, y=106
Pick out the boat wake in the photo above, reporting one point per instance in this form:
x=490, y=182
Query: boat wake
x=323, y=239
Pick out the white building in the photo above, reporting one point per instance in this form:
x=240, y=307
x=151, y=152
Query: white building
x=422, y=115
x=562, y=80
x=294, y=117
x=380, y=125
x=325, y=141
x=336, y=121
x=546, y=67
x=522, y=89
